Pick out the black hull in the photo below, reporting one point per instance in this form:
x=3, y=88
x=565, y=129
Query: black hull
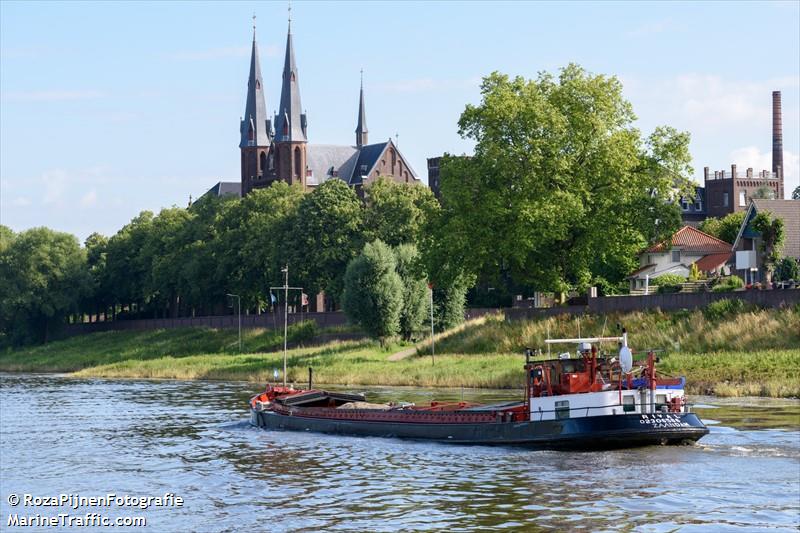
x=588, y=433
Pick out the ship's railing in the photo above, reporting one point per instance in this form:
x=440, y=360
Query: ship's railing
x=541, y=412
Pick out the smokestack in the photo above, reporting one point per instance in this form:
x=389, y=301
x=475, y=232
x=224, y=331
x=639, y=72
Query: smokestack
x=777, y=140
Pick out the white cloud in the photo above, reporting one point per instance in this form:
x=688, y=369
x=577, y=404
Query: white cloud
x=54, y=183
x=709, y=102
x=89, y=199
x=428, y=84
x=752, y=157
x=211, y=53
x=52, y=95
x=652, y=28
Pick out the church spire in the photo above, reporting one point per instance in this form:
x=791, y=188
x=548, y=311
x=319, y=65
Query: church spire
x=255, y=125
x=361, y=127
x=290, y=122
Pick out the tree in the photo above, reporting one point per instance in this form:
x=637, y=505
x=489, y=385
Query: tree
x=99, y=296
x=796, y=193
x=772, y=235
x=323, y=235
x=396, y=213
x=127, y=267
x=7, y=236
x=43, y=277
x=767, y=193
x=415, y=290
x=373, y=292
x=726, y=228
x=787, y=269
x=250, y=248
x=562, y=190
x=449, y=302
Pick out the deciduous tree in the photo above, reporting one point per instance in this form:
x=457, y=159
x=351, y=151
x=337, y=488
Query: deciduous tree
x=373, y=293
x=562, y=189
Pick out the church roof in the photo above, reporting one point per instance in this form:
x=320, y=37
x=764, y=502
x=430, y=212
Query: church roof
x=289, y=122
x=326, y=161
x=225, y=188
x=367, y=158
x=254, y=128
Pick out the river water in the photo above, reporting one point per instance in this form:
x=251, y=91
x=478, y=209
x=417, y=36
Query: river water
x=91, y=437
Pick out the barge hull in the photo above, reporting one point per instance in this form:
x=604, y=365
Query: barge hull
x=587, y=433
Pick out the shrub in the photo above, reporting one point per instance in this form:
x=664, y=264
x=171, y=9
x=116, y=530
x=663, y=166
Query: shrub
x=728, y=284
x=724, y=308
x=667, y=279
x=303, y=331
x=668, y=283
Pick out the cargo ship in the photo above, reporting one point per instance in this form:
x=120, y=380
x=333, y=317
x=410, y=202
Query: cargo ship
x=582, y=400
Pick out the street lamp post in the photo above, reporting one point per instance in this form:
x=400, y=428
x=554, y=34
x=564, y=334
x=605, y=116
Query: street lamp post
x=433, y=343
x=238, y=312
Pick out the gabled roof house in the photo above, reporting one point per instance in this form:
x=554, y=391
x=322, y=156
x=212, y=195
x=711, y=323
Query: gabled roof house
x=687, y=246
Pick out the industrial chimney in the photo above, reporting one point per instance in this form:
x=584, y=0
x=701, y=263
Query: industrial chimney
x=777, y=141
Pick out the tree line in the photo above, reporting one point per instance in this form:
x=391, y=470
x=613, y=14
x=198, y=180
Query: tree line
x=562, y=192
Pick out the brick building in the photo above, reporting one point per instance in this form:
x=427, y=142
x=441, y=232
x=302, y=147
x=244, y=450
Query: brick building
x=726, y=192
x=277, y=148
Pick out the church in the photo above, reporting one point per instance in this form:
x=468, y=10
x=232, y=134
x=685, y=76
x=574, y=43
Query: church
x=277, y=148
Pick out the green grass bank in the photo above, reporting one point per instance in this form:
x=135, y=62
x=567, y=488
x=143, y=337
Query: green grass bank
x=726, y=351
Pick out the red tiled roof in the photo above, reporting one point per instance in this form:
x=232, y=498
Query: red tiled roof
x=710, y=262
x=693, y=240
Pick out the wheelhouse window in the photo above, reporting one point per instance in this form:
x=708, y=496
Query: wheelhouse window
x=562, y=409
x=628, y=404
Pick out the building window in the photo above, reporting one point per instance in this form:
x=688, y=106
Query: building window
x=676, y=256
x=725, y=200
x=698, y=204
x=363, y=168
x=263, y=161
x=562, y=409
x=684, y=204
x=742, y=198
x=258, y=85
x=297, y=158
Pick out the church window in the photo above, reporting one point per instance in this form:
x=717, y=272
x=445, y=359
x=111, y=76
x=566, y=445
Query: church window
x=297, y=158
x=291, y=76
x=250, y=135
x=258, y=85
x=263, y=161
x=393, y=154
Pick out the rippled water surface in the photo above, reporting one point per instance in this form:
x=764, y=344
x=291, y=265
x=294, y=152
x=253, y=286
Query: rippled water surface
x=90, y=437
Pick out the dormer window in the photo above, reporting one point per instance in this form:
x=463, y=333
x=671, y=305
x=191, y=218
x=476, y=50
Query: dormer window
x=363, y=169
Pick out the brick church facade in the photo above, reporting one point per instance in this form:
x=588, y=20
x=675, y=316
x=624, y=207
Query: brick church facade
x=277, y=148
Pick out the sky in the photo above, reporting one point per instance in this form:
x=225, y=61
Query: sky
x=108, y=109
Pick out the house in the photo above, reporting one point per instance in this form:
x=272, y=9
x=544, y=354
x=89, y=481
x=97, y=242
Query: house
x=747, y=243
x=687, y=246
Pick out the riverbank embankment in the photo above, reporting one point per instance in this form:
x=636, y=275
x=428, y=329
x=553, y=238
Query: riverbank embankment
x=722, y=351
